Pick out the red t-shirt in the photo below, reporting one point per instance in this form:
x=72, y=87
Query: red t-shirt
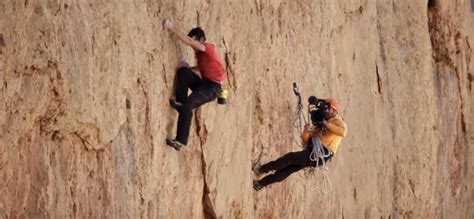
x=209, y=63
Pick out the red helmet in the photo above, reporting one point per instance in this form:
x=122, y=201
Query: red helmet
x=333, y=102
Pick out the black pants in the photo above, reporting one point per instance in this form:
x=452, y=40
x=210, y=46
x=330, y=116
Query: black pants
x=288, y=164
x=203, y=91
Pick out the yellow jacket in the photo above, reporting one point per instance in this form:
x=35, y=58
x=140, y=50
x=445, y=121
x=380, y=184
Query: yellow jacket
x=336, y=129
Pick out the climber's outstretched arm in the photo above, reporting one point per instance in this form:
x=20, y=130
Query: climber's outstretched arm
x=169, y=25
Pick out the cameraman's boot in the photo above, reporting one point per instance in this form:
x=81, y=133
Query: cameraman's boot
x=256, y=185
x=256, y=168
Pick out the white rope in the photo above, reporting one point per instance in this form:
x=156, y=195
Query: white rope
x=298, y=117
x=318, y=152
x=317, y=155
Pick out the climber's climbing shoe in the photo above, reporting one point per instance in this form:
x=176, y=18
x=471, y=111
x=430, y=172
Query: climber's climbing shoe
x=174, y=144
x=175, y=104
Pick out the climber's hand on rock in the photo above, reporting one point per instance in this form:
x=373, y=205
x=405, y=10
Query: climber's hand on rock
x=308, y=127
x=168, y=24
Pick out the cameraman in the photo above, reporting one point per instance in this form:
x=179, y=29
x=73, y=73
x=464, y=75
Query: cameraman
x=330, y=133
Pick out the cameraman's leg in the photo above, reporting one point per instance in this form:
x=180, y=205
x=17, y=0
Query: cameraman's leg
x=280, y=175
x=299, y=158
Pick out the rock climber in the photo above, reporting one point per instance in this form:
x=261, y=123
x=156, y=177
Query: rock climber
x=205, y=87
x=328, y=132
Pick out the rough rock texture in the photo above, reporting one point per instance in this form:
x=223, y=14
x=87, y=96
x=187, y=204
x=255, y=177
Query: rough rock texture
x=83, y=108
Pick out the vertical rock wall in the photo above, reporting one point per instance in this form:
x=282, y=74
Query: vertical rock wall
x=84, y=114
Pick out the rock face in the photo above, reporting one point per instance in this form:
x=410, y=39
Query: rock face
x=84, y=114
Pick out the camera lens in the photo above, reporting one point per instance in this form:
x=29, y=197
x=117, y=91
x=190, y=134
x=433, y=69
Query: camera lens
x=312, y=100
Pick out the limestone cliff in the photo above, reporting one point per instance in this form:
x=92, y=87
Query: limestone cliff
x=84, y=108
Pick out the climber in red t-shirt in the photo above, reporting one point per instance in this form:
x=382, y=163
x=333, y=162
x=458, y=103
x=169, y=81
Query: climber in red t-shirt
x=204, y=89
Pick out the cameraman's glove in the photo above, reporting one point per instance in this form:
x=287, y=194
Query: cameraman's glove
x=308, y=127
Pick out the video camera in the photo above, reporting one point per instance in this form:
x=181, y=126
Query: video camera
x=316, y=109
